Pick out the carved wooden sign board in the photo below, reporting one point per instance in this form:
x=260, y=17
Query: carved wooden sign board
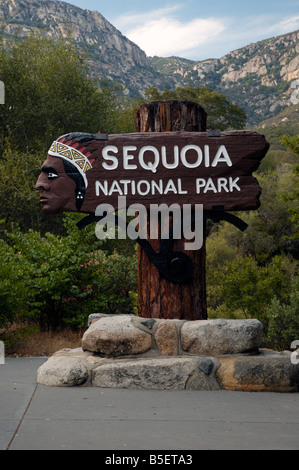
x=153, y=168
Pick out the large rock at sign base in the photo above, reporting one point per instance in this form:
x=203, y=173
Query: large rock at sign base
x=116, y=336
x=63, y=371
x=167, y=339
x=171, y=373
x=272, y=373
x=216, y=337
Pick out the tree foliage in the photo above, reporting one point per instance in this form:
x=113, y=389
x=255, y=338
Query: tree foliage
x=49, y=92
x=291, y=142
x=255, y=274
x=283, y=319
x=221, y=113
x=293, y=196
x=56, y=281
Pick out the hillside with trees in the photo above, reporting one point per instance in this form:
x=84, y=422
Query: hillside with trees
x=258, y=77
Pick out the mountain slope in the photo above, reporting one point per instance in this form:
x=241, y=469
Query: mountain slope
x=112, y=55
x=261, y=77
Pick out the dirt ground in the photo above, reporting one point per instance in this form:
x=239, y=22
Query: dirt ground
x=22, y=342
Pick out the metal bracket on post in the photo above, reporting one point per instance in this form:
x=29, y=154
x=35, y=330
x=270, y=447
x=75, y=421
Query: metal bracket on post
x=217, y=214
x=176, y=266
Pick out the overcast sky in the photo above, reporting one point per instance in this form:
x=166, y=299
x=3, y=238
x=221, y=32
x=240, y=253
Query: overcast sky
x=197, y=29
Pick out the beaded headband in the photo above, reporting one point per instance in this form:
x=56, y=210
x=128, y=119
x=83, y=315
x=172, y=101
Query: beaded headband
x=73, y=156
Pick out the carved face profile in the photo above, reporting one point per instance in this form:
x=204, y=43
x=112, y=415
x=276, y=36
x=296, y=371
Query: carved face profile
x=63, y=179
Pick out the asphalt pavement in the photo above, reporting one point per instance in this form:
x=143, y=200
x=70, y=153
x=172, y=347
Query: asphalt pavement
x=36, y=417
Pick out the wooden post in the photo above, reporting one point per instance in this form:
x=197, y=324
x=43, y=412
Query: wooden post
x=158, y=297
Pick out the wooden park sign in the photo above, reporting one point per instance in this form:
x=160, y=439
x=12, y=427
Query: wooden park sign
x=173, y=167
x=179, y=166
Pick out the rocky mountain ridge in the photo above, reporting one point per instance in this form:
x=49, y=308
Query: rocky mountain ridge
x=262, y=77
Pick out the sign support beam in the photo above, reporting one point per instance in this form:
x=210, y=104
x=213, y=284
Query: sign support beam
x=157, y=296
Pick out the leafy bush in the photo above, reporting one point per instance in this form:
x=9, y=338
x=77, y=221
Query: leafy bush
x=11, y=277
x=49, y=92
x=250, y=274
x=59, y=280
x=221, y=113
x=284, y=319
x=251, y=288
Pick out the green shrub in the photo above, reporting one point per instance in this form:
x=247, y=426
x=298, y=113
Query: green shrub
x=11, y=278
x=244, y=289
x=284, y=320
x=56, y=281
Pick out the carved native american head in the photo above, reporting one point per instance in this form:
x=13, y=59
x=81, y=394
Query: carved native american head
x=63, y=180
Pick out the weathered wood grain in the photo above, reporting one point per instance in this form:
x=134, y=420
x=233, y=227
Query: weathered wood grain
x=241, y=192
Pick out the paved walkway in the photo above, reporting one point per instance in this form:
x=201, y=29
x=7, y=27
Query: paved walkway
x=36, y=417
